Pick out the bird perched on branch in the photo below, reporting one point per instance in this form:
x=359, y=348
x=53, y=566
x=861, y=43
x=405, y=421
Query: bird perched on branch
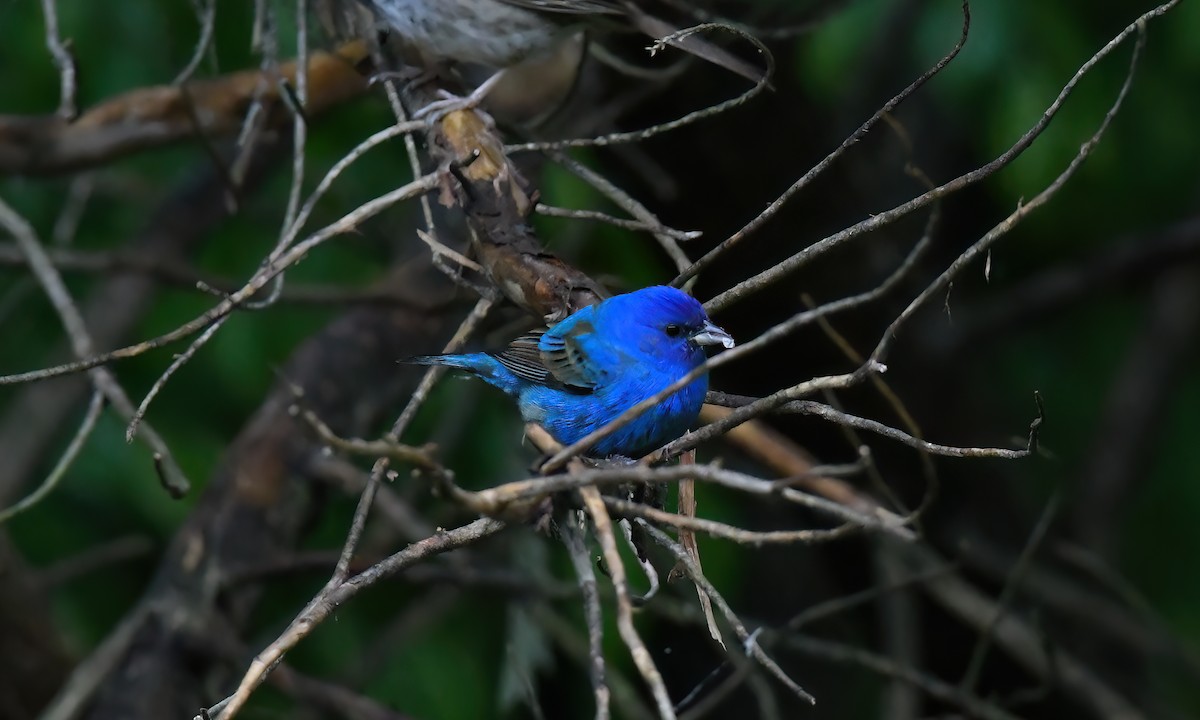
x=588, y=369
x=501, y=33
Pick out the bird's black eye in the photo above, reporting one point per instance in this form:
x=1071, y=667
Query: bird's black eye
x=673, y=330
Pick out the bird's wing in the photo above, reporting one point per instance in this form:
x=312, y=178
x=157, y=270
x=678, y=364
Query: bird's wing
x=571, y=7
x=523, y=358
x=570, y=355
x=576, y=355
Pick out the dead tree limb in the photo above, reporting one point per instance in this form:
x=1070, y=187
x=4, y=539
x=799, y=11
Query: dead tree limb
x=252, y=511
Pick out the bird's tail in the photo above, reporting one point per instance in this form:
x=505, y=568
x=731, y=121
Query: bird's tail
x=481, y=365
x=426, y=360
x=462, y=362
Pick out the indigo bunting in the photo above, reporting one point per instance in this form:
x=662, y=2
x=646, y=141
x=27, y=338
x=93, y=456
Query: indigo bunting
x=502, y=33
x=585, y=371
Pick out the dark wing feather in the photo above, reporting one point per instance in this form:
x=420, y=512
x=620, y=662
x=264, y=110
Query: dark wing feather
x=559, y=357
x=571, y=7
x=523, y=358
x=567, y=353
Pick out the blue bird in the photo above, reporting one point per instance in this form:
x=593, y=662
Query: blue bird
x=585, y=371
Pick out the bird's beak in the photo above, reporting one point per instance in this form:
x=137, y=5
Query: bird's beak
x=712, y=335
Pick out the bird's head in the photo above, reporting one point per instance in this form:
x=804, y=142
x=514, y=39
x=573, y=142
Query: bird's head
x=664, y=321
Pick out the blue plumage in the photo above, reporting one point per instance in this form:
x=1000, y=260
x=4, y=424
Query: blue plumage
x=580, y=374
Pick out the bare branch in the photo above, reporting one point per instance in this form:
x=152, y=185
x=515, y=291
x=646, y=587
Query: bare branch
x=848, y=655
x=206, y=13
x=616, y=570
x=67, y=110
x=334, y=595
x=772, y=209
x=260, y=280
x=497, y=499
x=595, y=623
x=979, y=652
x=153, y=117
x=821, y=410
x=749, y=642
x=1019, y=639
x=81, y=343
x=979, y=247
x=687, y=119
x=672, y=233
x=64, y=461
x=626, y=508
x=666, y=237
x=878, y=220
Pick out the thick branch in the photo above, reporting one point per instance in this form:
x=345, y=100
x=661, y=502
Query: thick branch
x=252, y=511
x=152, y=117
x=492, y=195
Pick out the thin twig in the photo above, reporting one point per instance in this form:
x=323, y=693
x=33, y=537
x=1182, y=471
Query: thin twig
x=299, y=115
x=180, y=360
x=626, y=508
x=816, y=170
x=91, y=672
x=749, y=642
x=943, y=281
x=420, y=456
x=829, y=608
x=206, y=13
x=342, y=570
x=82, y=346
x=95, y=406
x=666, y=237
x=296, y=220
x=643, y=562
x=325, y=603
x=66, y=225
x=298, y=252
x=496, y=499
x=766, y=338
x=410, y=144
x=573, y=539
x=67, y=109
x=181, y=275
x=623, y=223
x=1019, y=639
x=878, y=220
x=687, y=119
x=686, y=505
x=628, y=699
x=465, y=330
x=594, y=504
x=821, y=410
x=932, y=686
x=1013, y=581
